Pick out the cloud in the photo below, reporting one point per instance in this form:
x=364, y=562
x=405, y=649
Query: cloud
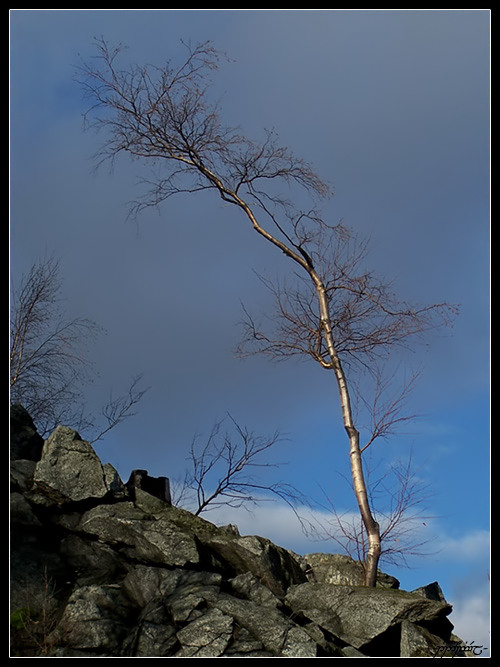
x=472, y=546
x=280, y=523
x=471, y=618
x=470, y=597
x=277, y=522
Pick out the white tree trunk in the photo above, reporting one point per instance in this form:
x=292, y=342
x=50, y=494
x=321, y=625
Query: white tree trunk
x=358, y=478
x=359, y=484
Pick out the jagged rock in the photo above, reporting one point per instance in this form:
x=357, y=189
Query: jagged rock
x=359, y=615
x=230, y=528
x=206, y=636
x=25, y=442
x=245, y=645
x=249, y=587
x=111, y=571
x=92, y=562
x=69, y=470
x=417, y=641
x=430, y=592
x=155, y=636
x=21, y=474
x=341, y=570
x=272, y=565
x=141, y=536
x=195, y=591
x=351, y=652
x=159, y=487
x=144, y=584
x=96, y=619
x=21, y=512
x=273, y=629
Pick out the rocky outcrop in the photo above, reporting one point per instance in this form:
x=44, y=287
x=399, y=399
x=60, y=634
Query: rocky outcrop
x=100, y=568
x=25, y=442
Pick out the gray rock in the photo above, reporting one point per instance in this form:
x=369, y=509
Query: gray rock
x=247, y=586
x=341, y=570
x=117, y=572
x=273, y=629
x=113, y=482
x=141, y=536
x=25, y=442
x=70, y=471
x=190, y=599
x=245, y=645
x=351, y=652
x=358, y=615
x=21, y=474
x=96, y=619
x=145, y=584
x=155, y=636
x=417, y=641
x=230, y=528
x=430, y=592
x=206, y=636
x=21, y=513
x=273, y=566
x=92, y=562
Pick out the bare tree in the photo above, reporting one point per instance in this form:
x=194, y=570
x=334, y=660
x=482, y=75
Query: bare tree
x=49, y=363
x=119, y=408
x=399, y=501
x=222, y=471
x=339, y=313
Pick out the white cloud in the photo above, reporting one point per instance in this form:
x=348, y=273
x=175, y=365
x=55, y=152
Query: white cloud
x=471, y=611
x=471, y=546
x=471, y=618
x=279, y=523
x=275, y=521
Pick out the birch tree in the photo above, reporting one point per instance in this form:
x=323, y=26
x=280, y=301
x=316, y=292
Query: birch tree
x=48, y=352
x=49, y=358
x=337, y=313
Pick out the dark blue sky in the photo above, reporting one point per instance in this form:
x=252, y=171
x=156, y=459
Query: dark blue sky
x=392, y=108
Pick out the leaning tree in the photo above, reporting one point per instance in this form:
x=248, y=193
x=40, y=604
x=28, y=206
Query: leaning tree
x=337, y=313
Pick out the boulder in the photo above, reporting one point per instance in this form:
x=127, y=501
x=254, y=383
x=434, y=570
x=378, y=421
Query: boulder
x=70, y=471
x=21, y=474
x=417, y=641
x=274, y=630
x=155, y=636
x=25, y=442
x=205, y=637
x=140, y=536
x=341, y=570
x=358, y=615
x=430, y=592
x=145, y=584
x=271, y=565
x=92, y=562
x=96, y=621
x=21, y=512
x=105, y=569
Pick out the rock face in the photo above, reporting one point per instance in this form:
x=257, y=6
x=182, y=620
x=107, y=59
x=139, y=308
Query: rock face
x=25, y=442
x=100, y=568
